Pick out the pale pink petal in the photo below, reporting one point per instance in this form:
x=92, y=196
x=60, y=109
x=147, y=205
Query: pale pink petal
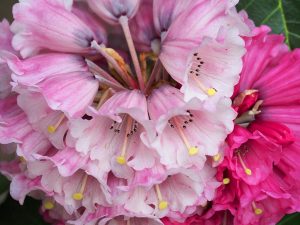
x=36, y=69
x=45, y=24
x=13, y=121
x=41, y=117
x=112, y=10
x=203, y=19
x=71, y=93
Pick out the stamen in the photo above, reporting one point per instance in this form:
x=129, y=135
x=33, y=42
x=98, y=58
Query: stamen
x=52, y=128
x=48, y=205
x=128, y=222
x=209, y=91
x=112, y=61
x=78, y=196
x=246, y=169
x=22, y=159
x=193, y=150
x=122, y=159
x=162, y=203
x=257, y=211
x=103, y=76
x=226, y=181
x=217, y=157
x=123, y=20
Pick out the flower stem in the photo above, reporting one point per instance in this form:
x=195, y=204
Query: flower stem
x=123, y=20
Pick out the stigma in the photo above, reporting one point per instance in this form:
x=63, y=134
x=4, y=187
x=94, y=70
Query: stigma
x=162, y=204
x=52, y=128
x=180, y=123
x=246, y=169
x=130, y=127
x=48, y=205
x=78, y=196
x=257, y=211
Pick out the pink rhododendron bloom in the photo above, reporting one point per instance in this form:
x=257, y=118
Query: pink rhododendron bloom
x=119, y=113
x=260, y=182
x=187, y=132
x=46, y=24
x=5, y=46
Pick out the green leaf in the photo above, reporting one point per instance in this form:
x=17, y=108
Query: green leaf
x=14, y=214
x=4, y=184
x=292, y=219
x=283, y=16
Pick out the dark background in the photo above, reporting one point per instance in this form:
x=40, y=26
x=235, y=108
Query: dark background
x=5, y=8
x=11, y=213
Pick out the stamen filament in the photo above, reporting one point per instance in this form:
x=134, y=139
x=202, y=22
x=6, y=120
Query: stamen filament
x=193, y=150
x=123, y=20
x=162, y=204
x=122, y=159
x=128, y=222
x=78, y=196
x=206, y=90
x=257, y=211
x=101, y=49
x=106, y=77
x=246, y=169
x=52, y=128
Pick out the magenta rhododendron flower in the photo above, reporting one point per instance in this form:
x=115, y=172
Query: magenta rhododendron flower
x=148, y=112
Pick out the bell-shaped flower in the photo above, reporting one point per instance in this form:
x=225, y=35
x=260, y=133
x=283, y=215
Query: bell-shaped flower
x=46, y=24
x=63, y=80
x=112, y=10
x=187, y=132
x=114, y=135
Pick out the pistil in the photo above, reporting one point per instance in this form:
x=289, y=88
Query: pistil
x=122, y=159
x=52, y=128
x=257, y=211
x=78, y=196
x=48, y=204
x=162, y=205
x=192, y=150
x=246, y=169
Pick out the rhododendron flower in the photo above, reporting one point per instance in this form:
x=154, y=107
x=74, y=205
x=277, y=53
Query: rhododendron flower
x=258, y=185
x=136, y=132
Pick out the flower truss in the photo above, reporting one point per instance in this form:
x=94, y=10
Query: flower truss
x=149, y=112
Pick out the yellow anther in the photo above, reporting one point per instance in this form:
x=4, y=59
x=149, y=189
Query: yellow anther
x=163, y=205
x=211, y=92
x=77, y=196
x=51, y=129
x=217, y=157
x=48, y=205
x=121, y=160
x=115, y=55
x=226, y=181
x=193, y=151
x=248, y=171
x=258, y=211
x=22, y=159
